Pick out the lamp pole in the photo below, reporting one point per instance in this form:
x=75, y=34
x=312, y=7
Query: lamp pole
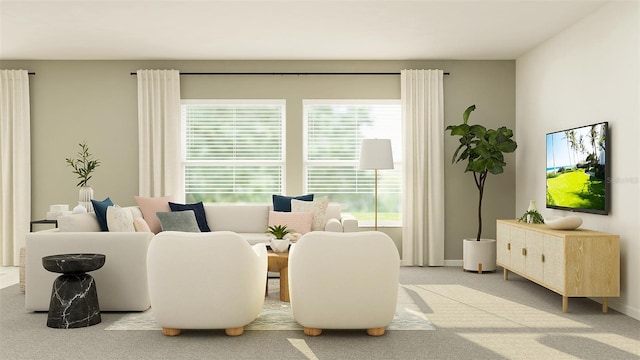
x=375, y=200
x=375, y=154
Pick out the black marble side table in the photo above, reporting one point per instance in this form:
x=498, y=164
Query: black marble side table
x=74, y=298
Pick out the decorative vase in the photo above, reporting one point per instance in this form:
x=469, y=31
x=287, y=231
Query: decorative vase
x=532, y=206
x=85, y=196
x=570, y=222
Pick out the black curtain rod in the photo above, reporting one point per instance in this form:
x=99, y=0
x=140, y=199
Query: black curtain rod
x=31, y=73
x=289, y=73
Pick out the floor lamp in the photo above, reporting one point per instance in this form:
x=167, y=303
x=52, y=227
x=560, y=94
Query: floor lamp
x=375, y=154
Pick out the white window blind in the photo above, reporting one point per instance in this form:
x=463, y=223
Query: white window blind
x=334, y=130
x=233, y=150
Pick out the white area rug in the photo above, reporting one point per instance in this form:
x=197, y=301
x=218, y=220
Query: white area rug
x=277, y=315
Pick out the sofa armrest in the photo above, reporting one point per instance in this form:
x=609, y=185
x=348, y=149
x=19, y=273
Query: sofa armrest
x=349, y=223
x=346, y=223
x=333, y=225
x=121, y=282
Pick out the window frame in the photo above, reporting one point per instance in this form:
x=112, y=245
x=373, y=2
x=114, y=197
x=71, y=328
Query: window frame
x=183, y=138
x=306, y=163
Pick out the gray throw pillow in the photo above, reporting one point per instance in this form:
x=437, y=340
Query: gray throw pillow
x=178, y=221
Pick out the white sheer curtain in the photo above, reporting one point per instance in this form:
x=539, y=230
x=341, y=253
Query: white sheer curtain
x=15, y=163
x=423, y=135
x=159, y=133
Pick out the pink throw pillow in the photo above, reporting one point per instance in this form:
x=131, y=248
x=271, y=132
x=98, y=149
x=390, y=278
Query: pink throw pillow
x=299, y=222
x=149, y=206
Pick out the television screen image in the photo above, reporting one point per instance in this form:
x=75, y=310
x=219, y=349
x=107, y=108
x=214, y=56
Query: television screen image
x=578, y=169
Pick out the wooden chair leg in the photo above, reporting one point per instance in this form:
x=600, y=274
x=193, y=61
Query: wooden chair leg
x=312, y=331
x=170, y=332
x=234, y=331
x=375, y=331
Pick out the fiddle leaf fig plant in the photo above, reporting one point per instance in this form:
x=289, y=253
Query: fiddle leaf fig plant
x=483, y=150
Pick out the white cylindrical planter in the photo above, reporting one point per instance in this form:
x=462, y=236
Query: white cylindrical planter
x=479, y=255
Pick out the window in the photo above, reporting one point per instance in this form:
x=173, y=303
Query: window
x=233, y=150
x=333, y=132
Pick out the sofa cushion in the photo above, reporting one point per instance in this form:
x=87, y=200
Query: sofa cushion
x=283, y=203
x=244, y=218
x=100, y=207
x=150, y=206
x=83, y=222
x=198, y=210
x=178, y=221
x=299, y=222
x=319, y=209
x=119, y=219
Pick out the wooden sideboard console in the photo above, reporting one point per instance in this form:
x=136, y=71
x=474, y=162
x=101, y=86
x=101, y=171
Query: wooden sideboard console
x=573, y=263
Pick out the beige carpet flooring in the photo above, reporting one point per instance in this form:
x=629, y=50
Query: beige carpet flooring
x=474, y=316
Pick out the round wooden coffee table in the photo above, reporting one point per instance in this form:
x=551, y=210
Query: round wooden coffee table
x=279, y=262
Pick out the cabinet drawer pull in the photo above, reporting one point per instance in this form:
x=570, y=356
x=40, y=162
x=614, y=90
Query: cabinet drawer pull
x=542, y=257
x=524, y=251
x=508, y=246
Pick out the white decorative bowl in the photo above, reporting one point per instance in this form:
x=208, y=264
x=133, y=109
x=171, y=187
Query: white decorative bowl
x=564, y=223
x=280, y=245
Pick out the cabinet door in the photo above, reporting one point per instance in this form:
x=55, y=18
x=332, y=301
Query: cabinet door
x=503, y=241
x=554, y=263
x=517, y=244
x=533, y=256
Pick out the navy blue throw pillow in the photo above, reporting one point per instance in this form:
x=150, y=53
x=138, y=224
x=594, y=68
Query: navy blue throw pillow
x=198, y=209
x=100, y=208
x=283, y=203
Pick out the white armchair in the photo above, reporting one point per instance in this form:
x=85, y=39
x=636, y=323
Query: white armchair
x=210, y=280
x=344, y=281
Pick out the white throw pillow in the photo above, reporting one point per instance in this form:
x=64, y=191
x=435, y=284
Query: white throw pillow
x=119, y=219
x=78, y=223
x=318, y=207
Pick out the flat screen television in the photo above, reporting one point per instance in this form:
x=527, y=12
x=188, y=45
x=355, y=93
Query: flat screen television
x=578, y=169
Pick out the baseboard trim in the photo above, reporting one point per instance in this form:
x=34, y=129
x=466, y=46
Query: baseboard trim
x=453, y=263
x=446, y=263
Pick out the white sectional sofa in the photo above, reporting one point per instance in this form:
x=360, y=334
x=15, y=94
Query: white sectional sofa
x=122, y=281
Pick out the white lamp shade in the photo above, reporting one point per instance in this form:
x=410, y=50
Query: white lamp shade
x=375, y=154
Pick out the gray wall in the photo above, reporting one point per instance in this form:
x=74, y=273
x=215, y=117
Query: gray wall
x=96, y=101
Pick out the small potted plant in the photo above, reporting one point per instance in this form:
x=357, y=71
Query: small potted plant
x=84, y=166
x=278, y=242
x=483, y=150
x=532, y=217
